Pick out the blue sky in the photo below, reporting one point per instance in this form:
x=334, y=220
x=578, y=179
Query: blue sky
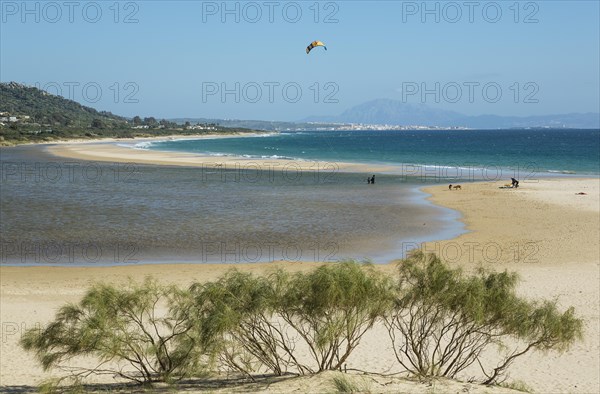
x=176, y=58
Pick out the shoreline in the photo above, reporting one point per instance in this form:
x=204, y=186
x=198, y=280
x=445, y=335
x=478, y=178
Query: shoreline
x=137, y=139
x=108, y=151
x=115, y=150
x=450, y=229
x=406, y=201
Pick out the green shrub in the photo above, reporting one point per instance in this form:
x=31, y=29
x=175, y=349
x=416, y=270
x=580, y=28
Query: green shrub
x=332, y=307
x=443, y=320
x=236, y=321
x=440, y=322
x=343, y=384
x=517, y=385
x=121, y=327
x=256, y=323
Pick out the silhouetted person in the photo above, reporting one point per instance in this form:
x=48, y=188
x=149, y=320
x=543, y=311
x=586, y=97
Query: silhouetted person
x=373, y=180
x=515, y=183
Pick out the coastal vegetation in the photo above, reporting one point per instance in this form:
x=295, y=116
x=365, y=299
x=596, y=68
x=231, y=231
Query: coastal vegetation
x=441, y=322
x=257, y=324
x=31, y=115
x=126, y=326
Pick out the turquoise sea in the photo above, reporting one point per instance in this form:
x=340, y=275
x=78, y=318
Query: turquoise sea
x=524, y=153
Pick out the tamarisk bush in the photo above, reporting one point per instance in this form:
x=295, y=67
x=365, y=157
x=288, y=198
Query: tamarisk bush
x=124, y=329
x=235, y=318
x=442, y=320
x=257, y=323
x=332, y=307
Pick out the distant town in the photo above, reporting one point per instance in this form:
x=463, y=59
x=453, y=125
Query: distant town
x=374, y=127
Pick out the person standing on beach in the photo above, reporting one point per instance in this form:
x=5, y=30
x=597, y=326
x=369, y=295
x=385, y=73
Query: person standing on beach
x=373, y=180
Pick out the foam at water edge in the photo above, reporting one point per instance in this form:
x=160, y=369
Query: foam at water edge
x=140, y=145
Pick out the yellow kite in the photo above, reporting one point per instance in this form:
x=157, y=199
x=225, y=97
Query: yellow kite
x=315, y=44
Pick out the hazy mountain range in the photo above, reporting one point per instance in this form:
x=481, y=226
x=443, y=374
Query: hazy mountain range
x=394, y=112
x=58, y=112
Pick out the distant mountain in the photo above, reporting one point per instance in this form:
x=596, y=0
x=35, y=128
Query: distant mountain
x=385, y=111
x=394, y=112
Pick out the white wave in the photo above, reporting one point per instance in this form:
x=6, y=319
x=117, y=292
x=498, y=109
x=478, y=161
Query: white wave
x=144, y=145
x=139, y=145
x=277, y=157
x=562, y=172
x=263, y=135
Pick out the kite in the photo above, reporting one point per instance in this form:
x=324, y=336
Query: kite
x=313, y=45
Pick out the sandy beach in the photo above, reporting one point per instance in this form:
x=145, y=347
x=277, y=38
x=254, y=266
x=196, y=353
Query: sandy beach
x=543, y=230
x=550, y=236
x=108, y=151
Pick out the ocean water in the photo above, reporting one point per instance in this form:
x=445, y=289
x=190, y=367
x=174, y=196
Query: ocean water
x=522, y=153
x=67, y=212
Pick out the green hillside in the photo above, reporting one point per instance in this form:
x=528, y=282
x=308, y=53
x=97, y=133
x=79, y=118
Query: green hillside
x=47, y=109
x=28, y=114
